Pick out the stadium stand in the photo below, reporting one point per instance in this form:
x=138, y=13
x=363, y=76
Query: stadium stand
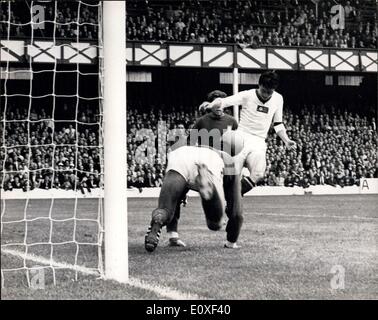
x=59, y=165
x=68, y=25
x=338, y=151
x=255, y=23
x=334, y=148
x=250, y=23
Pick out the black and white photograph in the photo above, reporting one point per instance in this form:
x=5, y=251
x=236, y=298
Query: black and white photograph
x=194, y=150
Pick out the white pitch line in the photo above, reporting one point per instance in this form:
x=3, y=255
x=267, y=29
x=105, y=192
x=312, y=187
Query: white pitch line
x=354, y=217
x=163, y=291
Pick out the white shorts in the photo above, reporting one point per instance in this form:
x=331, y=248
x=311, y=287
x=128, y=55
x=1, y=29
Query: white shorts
x=184, y=160
x=253, y=155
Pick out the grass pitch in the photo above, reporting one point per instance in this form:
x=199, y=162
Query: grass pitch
x=290, y=248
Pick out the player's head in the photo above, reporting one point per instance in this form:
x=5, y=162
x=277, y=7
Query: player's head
x=211, y=96
x=268, y=83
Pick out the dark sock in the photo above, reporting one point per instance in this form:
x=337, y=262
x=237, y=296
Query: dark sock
x=246, y=185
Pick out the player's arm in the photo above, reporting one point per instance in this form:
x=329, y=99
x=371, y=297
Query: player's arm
x=234, y=100
x=280, y=129
x=281, y=132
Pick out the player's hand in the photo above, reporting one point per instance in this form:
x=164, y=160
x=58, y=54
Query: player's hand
x=215, y=105
x=203, y=106
x=291, y=145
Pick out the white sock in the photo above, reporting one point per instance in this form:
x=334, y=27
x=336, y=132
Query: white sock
x=173, y=234
x=231, y=244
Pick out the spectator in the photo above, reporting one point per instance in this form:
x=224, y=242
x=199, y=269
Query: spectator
x=349, y=10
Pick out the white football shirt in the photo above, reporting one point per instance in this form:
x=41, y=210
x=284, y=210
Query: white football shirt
x=256, y=116
x=184, y=160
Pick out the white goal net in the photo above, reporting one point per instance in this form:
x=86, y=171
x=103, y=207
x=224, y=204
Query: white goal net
x=52, y=222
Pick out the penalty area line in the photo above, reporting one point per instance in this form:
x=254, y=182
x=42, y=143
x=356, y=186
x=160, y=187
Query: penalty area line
x=162, y=291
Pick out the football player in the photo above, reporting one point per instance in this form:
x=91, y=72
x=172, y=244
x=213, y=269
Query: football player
x=201, y=169
x=260, y=107
x=207, y=131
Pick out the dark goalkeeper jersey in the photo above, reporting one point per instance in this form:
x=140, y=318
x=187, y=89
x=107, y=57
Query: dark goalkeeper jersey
x=214, y=126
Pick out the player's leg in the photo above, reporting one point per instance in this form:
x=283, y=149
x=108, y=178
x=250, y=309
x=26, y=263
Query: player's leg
x=252, y=156
x=172, y=189
x=234, y=210
x=212, y=197
x=256, y=165
x=172, y=226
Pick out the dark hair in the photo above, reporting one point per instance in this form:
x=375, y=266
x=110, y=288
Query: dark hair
x=211, y=96
x=269, y=80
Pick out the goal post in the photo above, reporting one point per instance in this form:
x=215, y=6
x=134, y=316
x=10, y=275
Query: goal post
x=115, y=161
x=235, y=90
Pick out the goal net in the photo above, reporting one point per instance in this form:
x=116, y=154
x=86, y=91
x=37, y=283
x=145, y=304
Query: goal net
x=53, y=132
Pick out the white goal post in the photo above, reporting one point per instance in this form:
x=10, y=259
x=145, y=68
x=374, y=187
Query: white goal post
x=115, y=181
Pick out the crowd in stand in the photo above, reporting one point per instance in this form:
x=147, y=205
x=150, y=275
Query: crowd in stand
x=62, y=155
x=146, y=152
x=288, y=23
x=62, y=19
x=334, y=148
x=251, y=22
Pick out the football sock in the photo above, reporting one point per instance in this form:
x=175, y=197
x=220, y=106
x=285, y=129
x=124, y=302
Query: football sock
x=232, y=245
x=172, y=234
